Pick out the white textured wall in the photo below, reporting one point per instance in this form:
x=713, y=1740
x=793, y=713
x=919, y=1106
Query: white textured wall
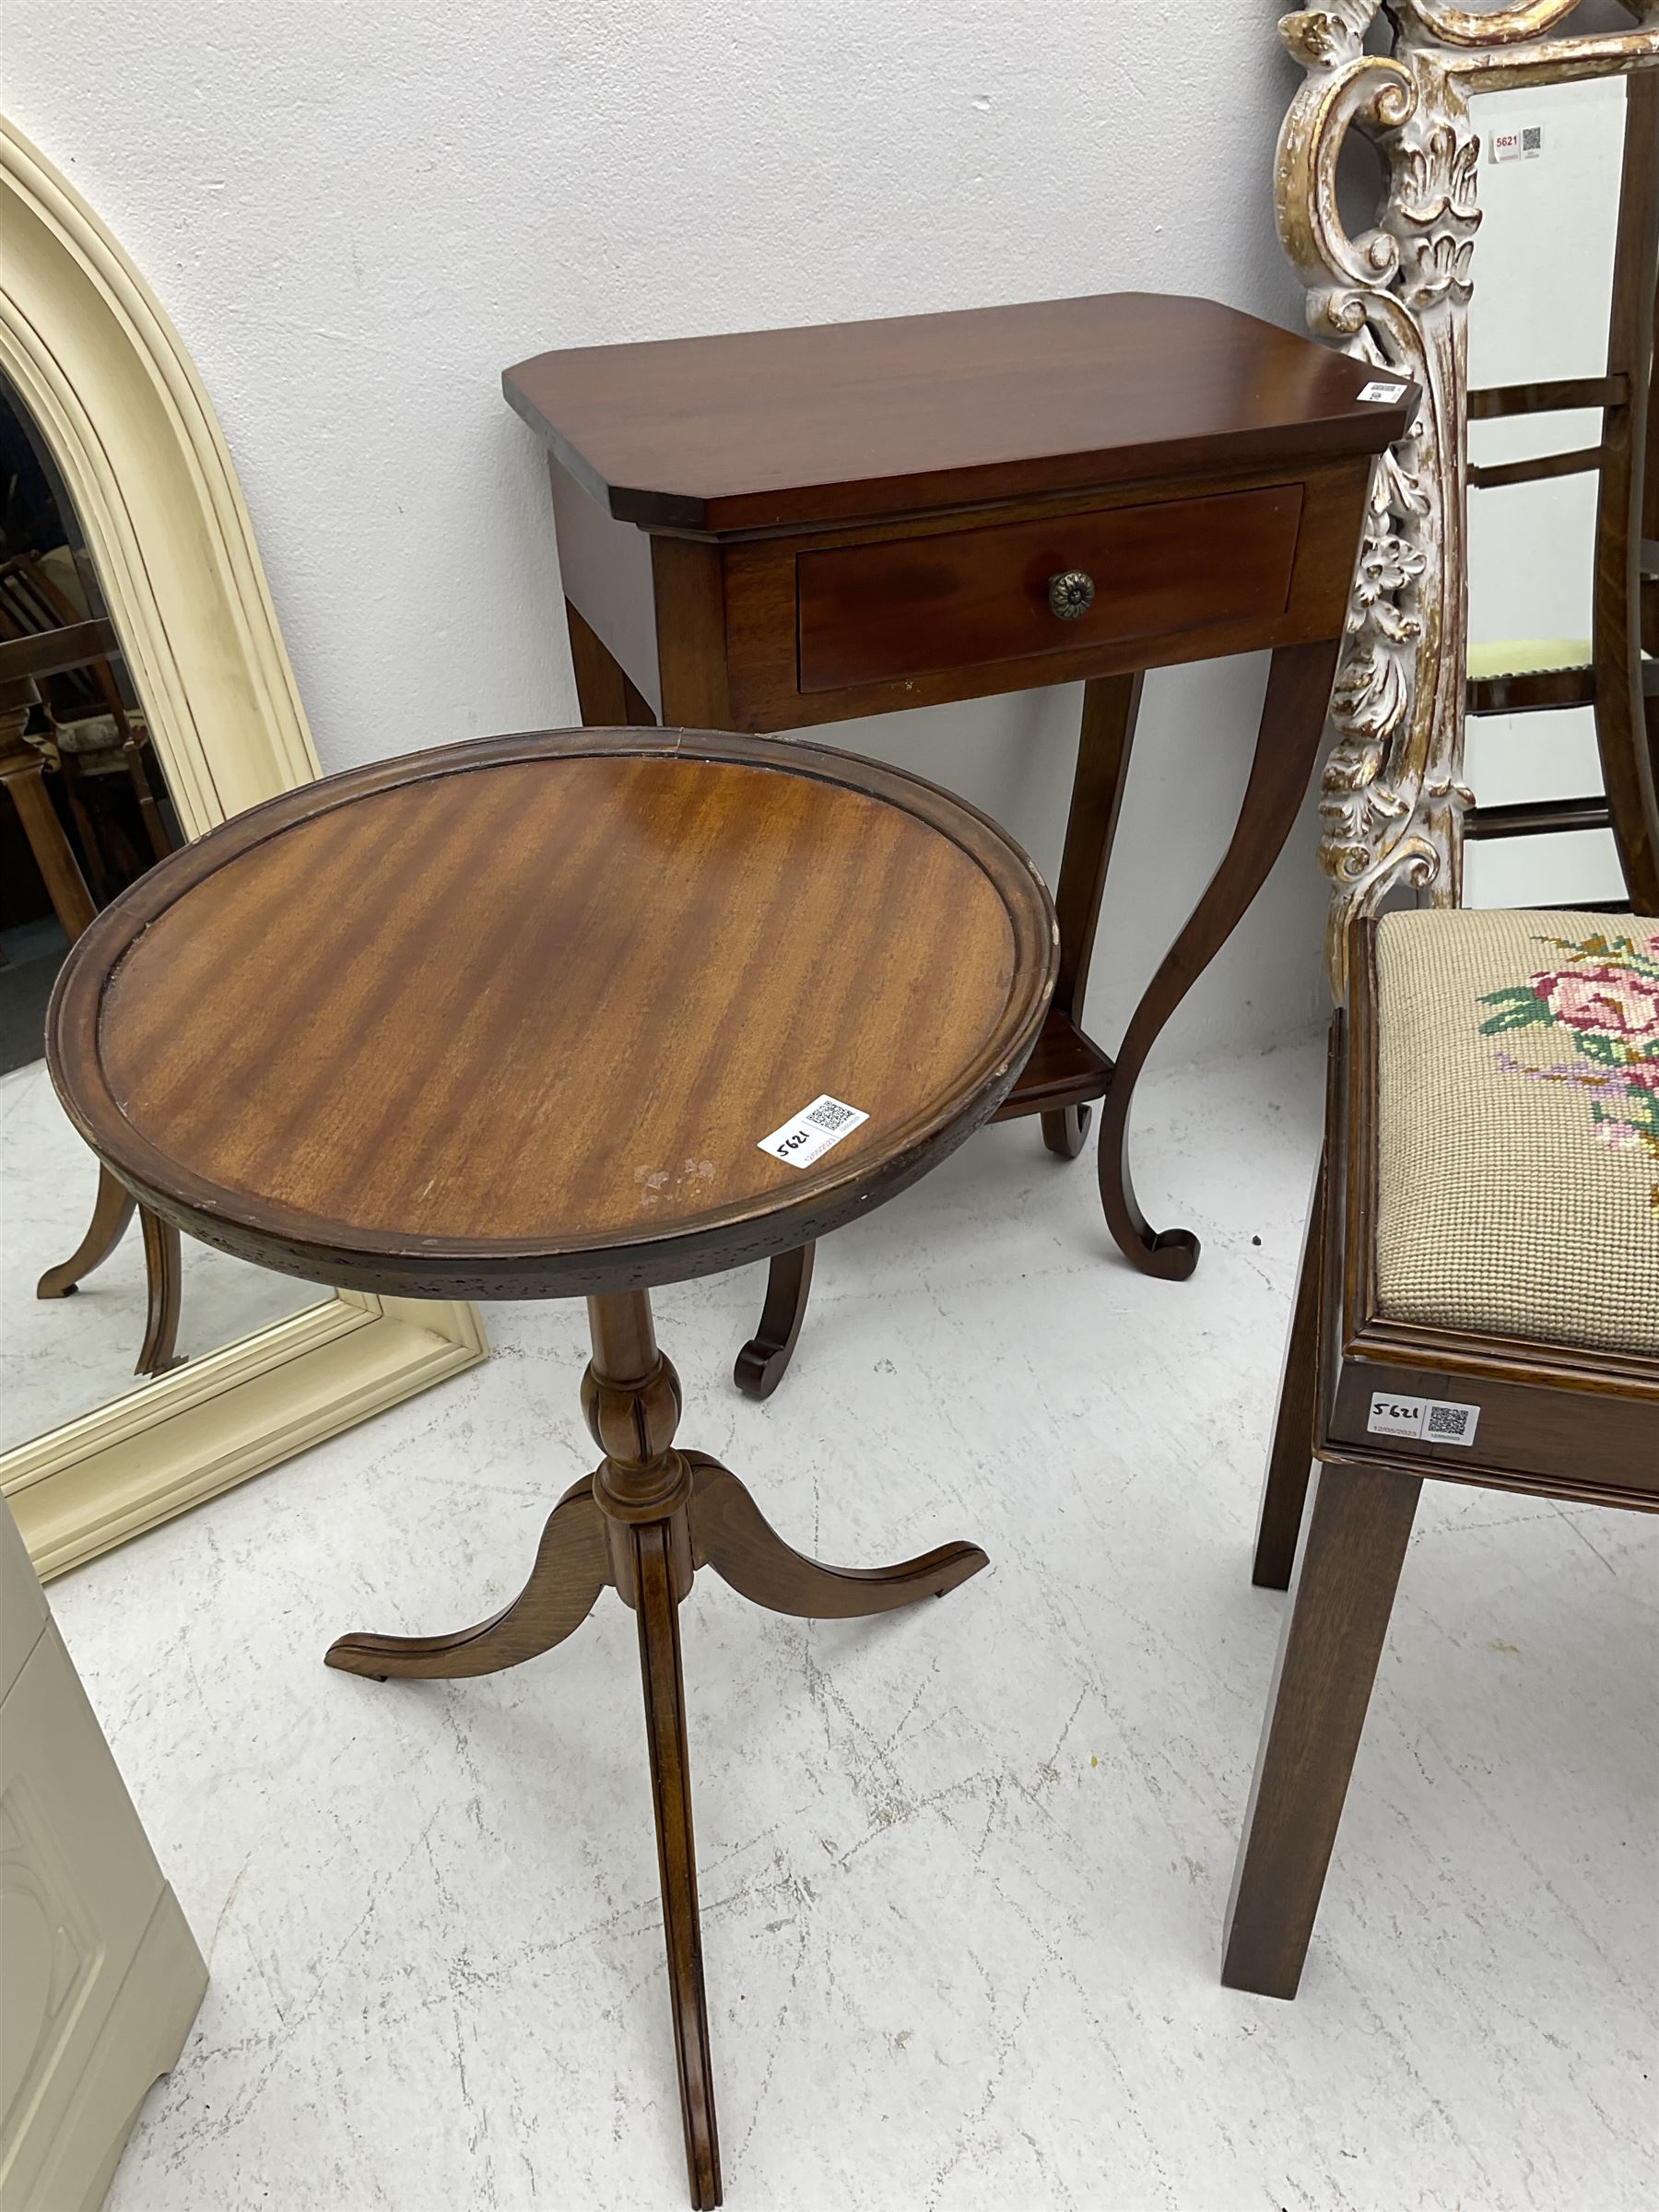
x=356, y=214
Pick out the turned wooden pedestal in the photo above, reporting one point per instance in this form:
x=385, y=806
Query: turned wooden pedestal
x=649, y=1519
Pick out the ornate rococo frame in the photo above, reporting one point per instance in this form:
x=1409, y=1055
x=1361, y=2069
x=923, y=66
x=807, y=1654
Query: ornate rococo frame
x=102, y=373
x=1398, y=295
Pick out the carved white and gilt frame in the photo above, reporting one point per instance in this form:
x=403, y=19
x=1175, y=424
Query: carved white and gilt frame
x=1398, y=295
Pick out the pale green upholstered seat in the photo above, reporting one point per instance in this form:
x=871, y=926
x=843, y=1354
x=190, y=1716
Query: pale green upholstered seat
x=1527, y=656
x=1518, y=1124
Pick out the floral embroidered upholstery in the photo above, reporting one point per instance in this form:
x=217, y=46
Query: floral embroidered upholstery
x=1607, y=1005
x=1518, y=1124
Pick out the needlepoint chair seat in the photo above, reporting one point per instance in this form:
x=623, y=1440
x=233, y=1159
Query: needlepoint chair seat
x=1518, y=1125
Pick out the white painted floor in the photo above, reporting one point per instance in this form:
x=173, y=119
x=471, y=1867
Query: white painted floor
x=964, y=1869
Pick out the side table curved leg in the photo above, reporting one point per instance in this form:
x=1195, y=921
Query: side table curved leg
x=730, y=1534
x=1105, y=739
x=762, y=1360
x=572, y=1565
x=1287, y=745
x=1065, y=1129
x=661, y=1673
x=112, y=1210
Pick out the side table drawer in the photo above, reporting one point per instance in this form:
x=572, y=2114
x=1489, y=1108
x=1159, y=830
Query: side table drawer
x=907, y=607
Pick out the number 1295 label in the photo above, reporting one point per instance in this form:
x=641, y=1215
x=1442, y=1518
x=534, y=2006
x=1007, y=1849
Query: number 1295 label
x=809, y=1135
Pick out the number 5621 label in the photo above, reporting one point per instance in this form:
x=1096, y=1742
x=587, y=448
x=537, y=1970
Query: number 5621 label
x=1435, y=1420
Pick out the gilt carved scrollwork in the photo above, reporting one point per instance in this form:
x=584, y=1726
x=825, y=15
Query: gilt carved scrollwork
x=1396, y=295
x=1482, y=29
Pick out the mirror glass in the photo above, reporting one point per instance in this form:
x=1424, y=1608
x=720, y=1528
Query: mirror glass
x=1548, y=187
x=84, y=811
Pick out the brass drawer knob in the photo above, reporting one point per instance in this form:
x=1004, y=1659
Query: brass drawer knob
x=1070, y=594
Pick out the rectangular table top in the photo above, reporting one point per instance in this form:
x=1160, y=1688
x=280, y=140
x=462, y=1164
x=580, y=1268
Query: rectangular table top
x=834, y=421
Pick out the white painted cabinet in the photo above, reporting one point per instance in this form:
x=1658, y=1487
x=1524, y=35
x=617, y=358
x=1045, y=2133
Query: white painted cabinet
x=99, y=1976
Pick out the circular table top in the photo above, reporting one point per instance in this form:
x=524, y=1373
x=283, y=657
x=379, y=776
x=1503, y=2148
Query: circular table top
x=510, y=1018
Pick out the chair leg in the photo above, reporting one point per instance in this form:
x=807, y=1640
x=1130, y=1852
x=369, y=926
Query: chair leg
x=1291, y=1459
x=1360, y=1525
x=149, y=810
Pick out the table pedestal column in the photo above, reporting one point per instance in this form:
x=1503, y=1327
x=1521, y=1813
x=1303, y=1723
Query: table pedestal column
x=631, y=1395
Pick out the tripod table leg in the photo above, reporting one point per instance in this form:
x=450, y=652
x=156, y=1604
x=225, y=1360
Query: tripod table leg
x=660, y=1672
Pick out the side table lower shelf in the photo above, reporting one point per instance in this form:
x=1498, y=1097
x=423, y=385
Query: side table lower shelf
x=1066, y=1068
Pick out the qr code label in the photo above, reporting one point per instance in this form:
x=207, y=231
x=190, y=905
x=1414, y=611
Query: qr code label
x=1523, y=144
x=1450, y=1424
x=808, y=1134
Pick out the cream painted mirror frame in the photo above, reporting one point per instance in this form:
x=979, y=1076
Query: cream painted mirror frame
x=101, y=368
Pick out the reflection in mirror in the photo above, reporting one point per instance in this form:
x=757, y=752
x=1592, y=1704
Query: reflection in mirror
x=1550, y=165
x=85, y=811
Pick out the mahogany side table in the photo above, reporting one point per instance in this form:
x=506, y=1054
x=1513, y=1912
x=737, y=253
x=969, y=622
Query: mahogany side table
x=791, y=527
x=570, y=1012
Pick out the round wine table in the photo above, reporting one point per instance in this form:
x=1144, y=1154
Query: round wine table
x=512, y=1019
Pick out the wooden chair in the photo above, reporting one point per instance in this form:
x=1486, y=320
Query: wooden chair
x=94, y=733
x=1478, y=1303
x=1479, y=1293
x=1608, y=672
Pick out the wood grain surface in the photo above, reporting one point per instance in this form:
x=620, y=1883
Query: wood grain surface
x=840, y=420
x=551, y=993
